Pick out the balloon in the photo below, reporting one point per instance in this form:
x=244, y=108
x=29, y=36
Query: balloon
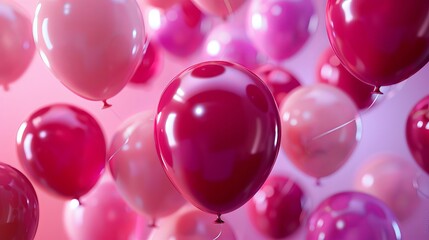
x=391, y=179
x=221, y=8
x=280, y=28
x=162, y=4
x=277, y=209
x=217, y=131
x=191, y=224
x=103, y=214
x=92, y=47
x=137, y=170
x=330, y=70
x=352, y=216
x=180, y=30
x=16, y=43
x=280, y=81
x=19, y=206
x=149, y=66
x=62, y=148
x=380, y=42
x=417, y=132
x=320, y=129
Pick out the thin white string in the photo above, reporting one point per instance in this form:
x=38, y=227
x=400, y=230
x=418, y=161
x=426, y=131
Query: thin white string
x=220, y=233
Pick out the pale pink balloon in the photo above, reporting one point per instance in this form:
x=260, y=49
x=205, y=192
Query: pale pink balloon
x=320, y=128
x=390, y=178
x=137, y=170
x=92, y=47
x=16, y=43
x=221, y=8
x=162, y=4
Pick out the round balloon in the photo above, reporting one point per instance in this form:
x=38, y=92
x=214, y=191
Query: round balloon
x=380, y=42
x=63, y=149
x=92, y=47
x=218, y=133
x=19, y=206
x=320, y=128
x=149, y=66
x=16, y=43
x=352, y=216
x=137, y=170
x=221, y=8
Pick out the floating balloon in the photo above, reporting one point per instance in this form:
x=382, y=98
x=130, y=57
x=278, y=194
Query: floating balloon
x=221, y=8
x=92, y=47
x=277, y=209
x=381, y=43
x=218, y=133
x=149, y=66
x=280, y=28
x=352, y=216
x=162, y=4
x=16, y=43
x=391, y=179
x=417, y=132
x=320, y=129
x=137, y=170
x=19, y=206
x=62, y=148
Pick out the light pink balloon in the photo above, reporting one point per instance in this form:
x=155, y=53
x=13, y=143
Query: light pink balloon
x=390, y=178
x=16, y=43
x=320, y=128
x=92, y=47
x=162, y=4
x=221, y=8
x=137, y=170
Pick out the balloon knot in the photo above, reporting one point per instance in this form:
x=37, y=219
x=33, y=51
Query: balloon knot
x=377, y=90
x=219, y=219
x=152, y=224
x=106, y=104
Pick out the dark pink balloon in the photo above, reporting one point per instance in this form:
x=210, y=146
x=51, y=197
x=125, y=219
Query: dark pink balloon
x=19, y=206
x=149, y=66
x=417, y=132
x=352, y=216
x=16, y=43
x=221, y=8
x=63, y=149
x=380, y=42
x=218, y=134
x=277, y=209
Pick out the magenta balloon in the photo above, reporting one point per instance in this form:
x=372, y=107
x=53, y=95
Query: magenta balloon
x=381, y=43
x=417, y=133
x=19, y=206
x=62, y=148
x=352, y=216
x=280, y=28
x=162, y=4
x=137, y=170
x=221, y=8
x=16, y=43
x=217, y=131
x=277, y=209
x=149, y=66
x=92, y=47
x=320, y=129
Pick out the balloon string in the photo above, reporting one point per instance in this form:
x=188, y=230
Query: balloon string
x=117, y=150
x=220, y=232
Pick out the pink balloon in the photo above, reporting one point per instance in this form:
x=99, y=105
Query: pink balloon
x=320, y=129
x=19, y=206
x=92, y=47
x=137, y=170
x=162, y=4
x=63, y=149
x=280, y=28
x=221, y=8
x=391, y=179
x=16, y=43
x=103, y=215
x=149, y=66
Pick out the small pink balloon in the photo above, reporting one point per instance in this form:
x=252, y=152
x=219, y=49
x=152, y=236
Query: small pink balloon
x=391, y=179
x=137, y=170
x=280, y=28
x=149, y=66
x=92, y=47
x=221, y=8
x=320, y=129
x=162, y=4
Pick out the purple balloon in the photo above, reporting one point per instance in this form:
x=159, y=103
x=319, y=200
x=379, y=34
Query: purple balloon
x=352, y=216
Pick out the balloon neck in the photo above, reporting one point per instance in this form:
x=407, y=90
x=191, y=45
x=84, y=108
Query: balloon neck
x=152, y=223
x=318, y=182
x=106, y=104
x=6, y=87
x=377, y=90
x=79, y=201
x=219, y=219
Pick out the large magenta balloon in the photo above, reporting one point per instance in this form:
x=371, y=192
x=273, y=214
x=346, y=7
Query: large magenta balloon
x=417, y=132
x=62, y=148
x=277, y=209
x=218, y=134
x=19, y=206
x=352, y=216
x=92, y=47
x=380, y=42
x=16, y=43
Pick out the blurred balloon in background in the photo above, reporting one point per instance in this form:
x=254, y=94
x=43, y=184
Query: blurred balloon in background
x=92, y=47
x=150, y=65
x=19, y=205
x=16, y=43
x=221, y=8
x=381, y=43
x=137, y=170
x=63, y=149
x=162, y=4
